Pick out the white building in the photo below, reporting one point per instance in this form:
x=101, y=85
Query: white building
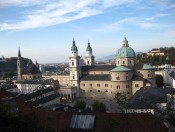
x=28, y=86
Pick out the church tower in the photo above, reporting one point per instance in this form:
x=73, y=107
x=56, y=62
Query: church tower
x=89, y=58
x=74, y=67
x=167, y=70
x=19, y=66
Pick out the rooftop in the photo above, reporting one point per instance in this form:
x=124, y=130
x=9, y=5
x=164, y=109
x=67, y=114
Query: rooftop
x=99, y=77
x=121, y=69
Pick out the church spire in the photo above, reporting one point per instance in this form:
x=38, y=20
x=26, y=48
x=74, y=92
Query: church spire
x=89, y=49
x=19, y=53
x=74, y=47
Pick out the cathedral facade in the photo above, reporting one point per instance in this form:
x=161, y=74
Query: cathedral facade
x=87, y=80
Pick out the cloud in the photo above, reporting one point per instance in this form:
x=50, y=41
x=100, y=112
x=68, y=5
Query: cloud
x=116, y=25
x=52, y=13
x=147, y=25
x=156, y=16
x=170, y=33
x=6, y=3
x=141, y=22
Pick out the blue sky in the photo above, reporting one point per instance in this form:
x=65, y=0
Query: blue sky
x=44, y=29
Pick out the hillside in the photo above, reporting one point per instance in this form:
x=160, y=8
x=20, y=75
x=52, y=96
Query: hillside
x=11, y=65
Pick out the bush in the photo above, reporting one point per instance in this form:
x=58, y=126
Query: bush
x=98, y=106
x=80, y=105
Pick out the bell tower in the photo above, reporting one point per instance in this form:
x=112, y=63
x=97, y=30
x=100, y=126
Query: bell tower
x=74, y=67
x=89, y=58
x=167, y=70
x=19, y=65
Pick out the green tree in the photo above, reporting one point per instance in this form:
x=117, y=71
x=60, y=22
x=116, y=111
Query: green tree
x=121, y=98
x=159, y=80
x=99, y=106
x=8, y=74
x=79, y=104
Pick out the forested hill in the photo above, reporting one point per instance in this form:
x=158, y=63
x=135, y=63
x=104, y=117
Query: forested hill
x=11, y=65
x=158, y=60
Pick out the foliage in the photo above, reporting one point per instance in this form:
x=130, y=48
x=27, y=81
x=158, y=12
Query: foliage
x=170, y=110
x=80, y=105
x=159, y=80
x=157, y=60
x=8, y=74
x=99, y=106
x=121, y=98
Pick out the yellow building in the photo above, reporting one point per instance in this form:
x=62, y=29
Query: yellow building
x=154, y=52
x=104, y=81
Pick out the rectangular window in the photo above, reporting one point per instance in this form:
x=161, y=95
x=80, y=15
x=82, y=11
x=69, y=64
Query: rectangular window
x=123, y=62
x=90, y=84
x=98, y=84
x=83, y=84
x=149, y=75
x=118, y=86
x=136, y=85
x=106, y=85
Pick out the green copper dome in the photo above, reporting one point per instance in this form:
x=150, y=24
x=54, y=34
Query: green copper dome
x=74, y=47
x=125, y=51
x=89, y=48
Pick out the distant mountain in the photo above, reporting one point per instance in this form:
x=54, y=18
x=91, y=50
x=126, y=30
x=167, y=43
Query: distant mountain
x=139, y=53
x=113, y=57
x=107, y=58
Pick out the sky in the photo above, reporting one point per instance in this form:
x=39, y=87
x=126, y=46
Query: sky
x=44, y=29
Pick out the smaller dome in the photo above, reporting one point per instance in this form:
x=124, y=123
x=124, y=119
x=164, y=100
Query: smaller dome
x=89, y=48
x=74, y=47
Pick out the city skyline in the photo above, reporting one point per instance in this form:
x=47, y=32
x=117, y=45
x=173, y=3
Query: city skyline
x=44, y=30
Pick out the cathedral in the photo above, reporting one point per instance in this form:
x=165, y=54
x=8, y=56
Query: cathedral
x=27, y=72
x=87, y=80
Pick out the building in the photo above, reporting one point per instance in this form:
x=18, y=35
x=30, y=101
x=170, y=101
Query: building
x=154, y=52
x=28, y=86
x=104, y=81
x=167, y=72
x=28, y=72
x=172, y=79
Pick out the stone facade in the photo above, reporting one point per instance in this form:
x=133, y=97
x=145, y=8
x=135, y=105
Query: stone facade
x=88, y=80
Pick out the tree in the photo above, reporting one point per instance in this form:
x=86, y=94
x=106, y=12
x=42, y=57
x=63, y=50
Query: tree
x=79, y=104
x=98, y=106
x=159, y=80
x=121, y=98
x=8, y=74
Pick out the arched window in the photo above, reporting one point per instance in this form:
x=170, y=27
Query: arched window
x=118, y=78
